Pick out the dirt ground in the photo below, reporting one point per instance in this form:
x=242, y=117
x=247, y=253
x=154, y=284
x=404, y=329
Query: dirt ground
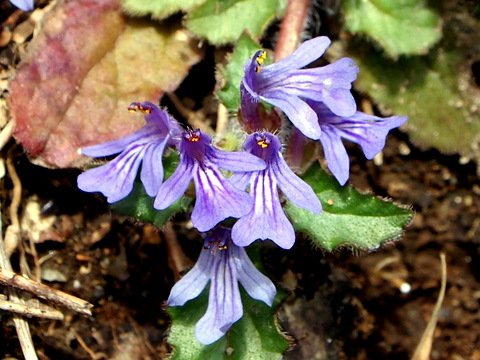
x=341, y=305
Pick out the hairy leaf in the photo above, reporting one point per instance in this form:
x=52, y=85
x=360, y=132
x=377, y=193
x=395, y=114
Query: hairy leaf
x=399, y=26
x=254, y=336
x=233, y=72
x=435, y=93
x=158, y=9
x=348, y=218
x=223, y=21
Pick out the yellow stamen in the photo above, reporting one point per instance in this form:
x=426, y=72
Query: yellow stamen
x=144, y=109
x=133, y=108
x=262, y=143
x=261, y=58
x=194, y=138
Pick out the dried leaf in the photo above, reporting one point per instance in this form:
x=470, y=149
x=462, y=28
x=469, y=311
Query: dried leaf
x=87, y=64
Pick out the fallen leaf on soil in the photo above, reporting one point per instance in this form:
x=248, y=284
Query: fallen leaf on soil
x=83, y=69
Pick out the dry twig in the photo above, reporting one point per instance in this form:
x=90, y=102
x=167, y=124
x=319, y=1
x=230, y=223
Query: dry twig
x=9, y=278
x=29, y=310
x=21, y=324
x=180, y=261
x=424, y=347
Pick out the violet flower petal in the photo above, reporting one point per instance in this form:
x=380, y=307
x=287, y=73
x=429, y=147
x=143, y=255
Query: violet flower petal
x=216, y=199
x=225, y=264
x=151, y=174
x=336, y=155
x=25, y=5
x=192, y=284
x=176, y=185
x=266, y=220
x=305, y=54
x=294, y=188
x=368, y=131
x=236, y=160
x=257, y=285
x=240, y=180
x=286, y=85
x=116, y=146
x=115, y=179
x=298, y=112
x=224, y=302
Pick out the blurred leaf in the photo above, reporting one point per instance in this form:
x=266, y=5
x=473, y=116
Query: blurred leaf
x=233, y=72
x=255, y=336
x=348, y=217
x=140, y=206
x=159, y=9
x=399, y=26
x=223, y=21
x=83, y=69
x=442, y=107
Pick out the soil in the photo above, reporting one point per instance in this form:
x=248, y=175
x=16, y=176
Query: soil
x=341, y=305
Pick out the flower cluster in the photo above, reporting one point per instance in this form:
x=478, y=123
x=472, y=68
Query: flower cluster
x=316, y=100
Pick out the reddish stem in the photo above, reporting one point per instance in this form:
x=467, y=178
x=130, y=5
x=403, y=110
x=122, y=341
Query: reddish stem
x=291, y=29
x=288, y=40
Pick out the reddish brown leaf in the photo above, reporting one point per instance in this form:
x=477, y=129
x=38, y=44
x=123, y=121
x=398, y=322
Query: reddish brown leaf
x=82, y=71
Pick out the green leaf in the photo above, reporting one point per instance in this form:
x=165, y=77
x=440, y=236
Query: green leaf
x=348, y=217
x=159, y=9
x=441, y=105
x=140, y=206
x=233, y=72
x=399, y=26
x=254, y=337
x=223, y=21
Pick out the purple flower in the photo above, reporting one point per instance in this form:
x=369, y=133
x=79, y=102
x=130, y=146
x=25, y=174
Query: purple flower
x=267, y=220
x=25, y=5
x=366, y=130
x=224, y=264
x=285, y=85
x=216, y=197
x=115, y=179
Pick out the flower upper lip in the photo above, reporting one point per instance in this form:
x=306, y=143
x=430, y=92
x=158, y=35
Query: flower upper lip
x=286, y=84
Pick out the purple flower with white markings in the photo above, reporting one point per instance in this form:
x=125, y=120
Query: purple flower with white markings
x=216, y=198
x=115, y=179
x=25, y=5
x=286, y=84
x=267, y=220
x=225, y=265
x=368, y=131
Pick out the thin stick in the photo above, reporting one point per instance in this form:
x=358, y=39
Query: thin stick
x=17, y=191
x=9, y=278
x=222, y=118
x=28, y=310
x=180, y=261
x=6, y=133
x=424, y=347
x=23, y=331
x=13, y=210
x=194, y=119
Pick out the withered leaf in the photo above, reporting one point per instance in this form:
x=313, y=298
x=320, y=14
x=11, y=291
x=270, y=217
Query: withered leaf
x=83, y=69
